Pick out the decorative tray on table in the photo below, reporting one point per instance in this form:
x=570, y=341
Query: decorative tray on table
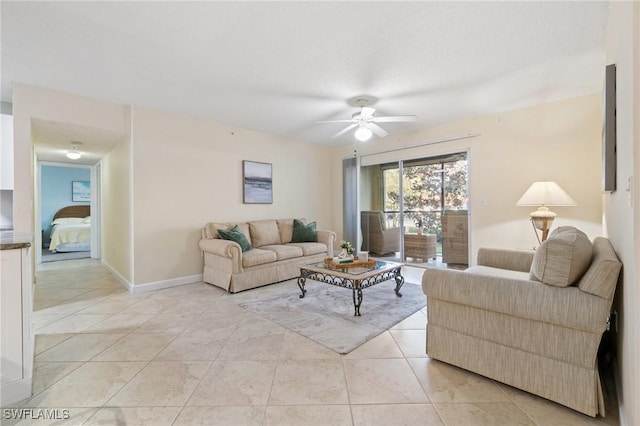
x=349, y=263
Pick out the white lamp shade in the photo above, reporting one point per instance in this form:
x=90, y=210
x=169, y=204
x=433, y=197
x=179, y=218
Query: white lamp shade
x=545, y=194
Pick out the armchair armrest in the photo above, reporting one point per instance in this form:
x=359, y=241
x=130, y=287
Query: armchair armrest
x=392, y=235
x=566, y=307
x=514, y=260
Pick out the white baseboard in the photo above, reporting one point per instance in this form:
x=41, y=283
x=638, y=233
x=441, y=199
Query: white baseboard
x=125, y=283
x=159, y=285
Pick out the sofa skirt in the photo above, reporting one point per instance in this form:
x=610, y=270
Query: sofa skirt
x=258, y=276
x=576, y=387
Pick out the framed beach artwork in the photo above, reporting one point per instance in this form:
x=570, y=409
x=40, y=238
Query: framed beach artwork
x=80, y=191
x=257, y=182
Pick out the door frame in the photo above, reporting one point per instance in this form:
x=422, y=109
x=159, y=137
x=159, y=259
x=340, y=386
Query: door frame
x=94, y=171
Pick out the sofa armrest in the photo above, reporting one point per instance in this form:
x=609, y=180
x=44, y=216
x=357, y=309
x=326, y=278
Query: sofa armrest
x=328, y=238
x=566, y=307
x=514, y=260
x=224, y=248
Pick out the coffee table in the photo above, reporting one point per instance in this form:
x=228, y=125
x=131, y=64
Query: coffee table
x=355, y=278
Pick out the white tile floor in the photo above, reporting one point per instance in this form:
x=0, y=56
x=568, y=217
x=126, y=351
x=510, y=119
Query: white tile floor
x=190, y=355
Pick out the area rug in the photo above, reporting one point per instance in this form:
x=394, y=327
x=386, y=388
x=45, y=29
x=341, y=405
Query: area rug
x=325, y=315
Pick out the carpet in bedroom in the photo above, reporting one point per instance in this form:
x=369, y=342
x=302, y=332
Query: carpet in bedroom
x=49, y=256
x=325, y=315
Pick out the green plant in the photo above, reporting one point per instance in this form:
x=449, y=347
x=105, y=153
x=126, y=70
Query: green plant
x=347, y=246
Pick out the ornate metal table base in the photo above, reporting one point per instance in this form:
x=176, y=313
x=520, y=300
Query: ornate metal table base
x=355, y=284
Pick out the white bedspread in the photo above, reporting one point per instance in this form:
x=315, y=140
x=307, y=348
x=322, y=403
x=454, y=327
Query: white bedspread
x=64, y=234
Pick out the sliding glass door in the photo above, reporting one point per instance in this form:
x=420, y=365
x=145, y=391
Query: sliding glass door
x=414, y=201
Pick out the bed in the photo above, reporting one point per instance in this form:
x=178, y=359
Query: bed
x=71, y=229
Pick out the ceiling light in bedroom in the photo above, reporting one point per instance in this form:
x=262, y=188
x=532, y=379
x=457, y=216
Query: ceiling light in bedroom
x=73, y=153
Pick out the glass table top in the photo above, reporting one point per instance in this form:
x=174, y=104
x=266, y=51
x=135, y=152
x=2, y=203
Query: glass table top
x=379, y=266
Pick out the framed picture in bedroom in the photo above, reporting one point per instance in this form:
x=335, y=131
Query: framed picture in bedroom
x=80, y=191
x=257, y=182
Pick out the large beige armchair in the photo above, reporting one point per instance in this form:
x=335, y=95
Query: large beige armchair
x=376, y=238
x=531, y=320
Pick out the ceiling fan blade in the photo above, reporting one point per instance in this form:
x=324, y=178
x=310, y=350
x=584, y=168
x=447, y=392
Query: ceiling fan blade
x=335, y=121
x=395, y=118
x=367, y=112
x=379, y=131
x=345, y=130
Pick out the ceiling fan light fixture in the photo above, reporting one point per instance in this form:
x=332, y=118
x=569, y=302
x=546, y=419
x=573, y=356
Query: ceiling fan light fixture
x=73, y=153
x=363, y=133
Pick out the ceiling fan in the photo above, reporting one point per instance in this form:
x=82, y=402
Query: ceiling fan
x=364, y=121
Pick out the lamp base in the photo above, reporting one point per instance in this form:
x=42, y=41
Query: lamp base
x=542, y=219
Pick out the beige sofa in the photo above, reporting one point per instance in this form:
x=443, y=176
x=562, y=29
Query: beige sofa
x=273, y=256
x=532, y=321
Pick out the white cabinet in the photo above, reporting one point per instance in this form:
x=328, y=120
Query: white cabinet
x=6, y=152
x=11, y=315
x=15, y=320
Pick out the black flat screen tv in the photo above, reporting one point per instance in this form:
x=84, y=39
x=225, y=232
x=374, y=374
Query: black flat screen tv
x=609, y=130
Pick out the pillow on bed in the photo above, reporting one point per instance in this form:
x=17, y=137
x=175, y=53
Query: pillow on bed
x=67, y=221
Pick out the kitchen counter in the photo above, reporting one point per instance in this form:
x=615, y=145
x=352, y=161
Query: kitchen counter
x=10, y=240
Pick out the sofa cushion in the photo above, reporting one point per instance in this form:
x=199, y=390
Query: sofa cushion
x=264, y=232
x=489, y=271
x=284, y=251
x=303, y=233
x=235, y=234
x=563, y=258
x=309, y=249
x=255, y=257
x=601, y=278
x=212, y=229
x=285, y=226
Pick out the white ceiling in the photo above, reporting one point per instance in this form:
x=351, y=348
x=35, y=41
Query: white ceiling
x=279, y=67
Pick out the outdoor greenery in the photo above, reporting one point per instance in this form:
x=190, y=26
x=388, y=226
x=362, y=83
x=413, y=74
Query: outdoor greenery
x=428, y=190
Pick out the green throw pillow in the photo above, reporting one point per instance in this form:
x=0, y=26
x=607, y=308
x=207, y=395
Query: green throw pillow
x=303, y=233
x=235, y=234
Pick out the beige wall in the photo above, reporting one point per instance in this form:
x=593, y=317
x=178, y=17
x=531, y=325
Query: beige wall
x=621, y=216
x=188, y=172
x=117, y=207
x=31, y=102
x=167, y=177
x=558, y=141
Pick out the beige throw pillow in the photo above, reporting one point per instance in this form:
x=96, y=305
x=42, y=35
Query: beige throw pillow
x=563, y=258
x=286, y=229
x=264, y=232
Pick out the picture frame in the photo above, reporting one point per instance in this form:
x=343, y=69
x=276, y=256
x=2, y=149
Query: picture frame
x=81, y=191
x=257, y=182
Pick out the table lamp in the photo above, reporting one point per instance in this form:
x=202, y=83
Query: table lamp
x=544, y=194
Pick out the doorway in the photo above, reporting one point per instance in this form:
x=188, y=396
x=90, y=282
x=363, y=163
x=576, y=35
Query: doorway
x=421, y=208
x=65, y=220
